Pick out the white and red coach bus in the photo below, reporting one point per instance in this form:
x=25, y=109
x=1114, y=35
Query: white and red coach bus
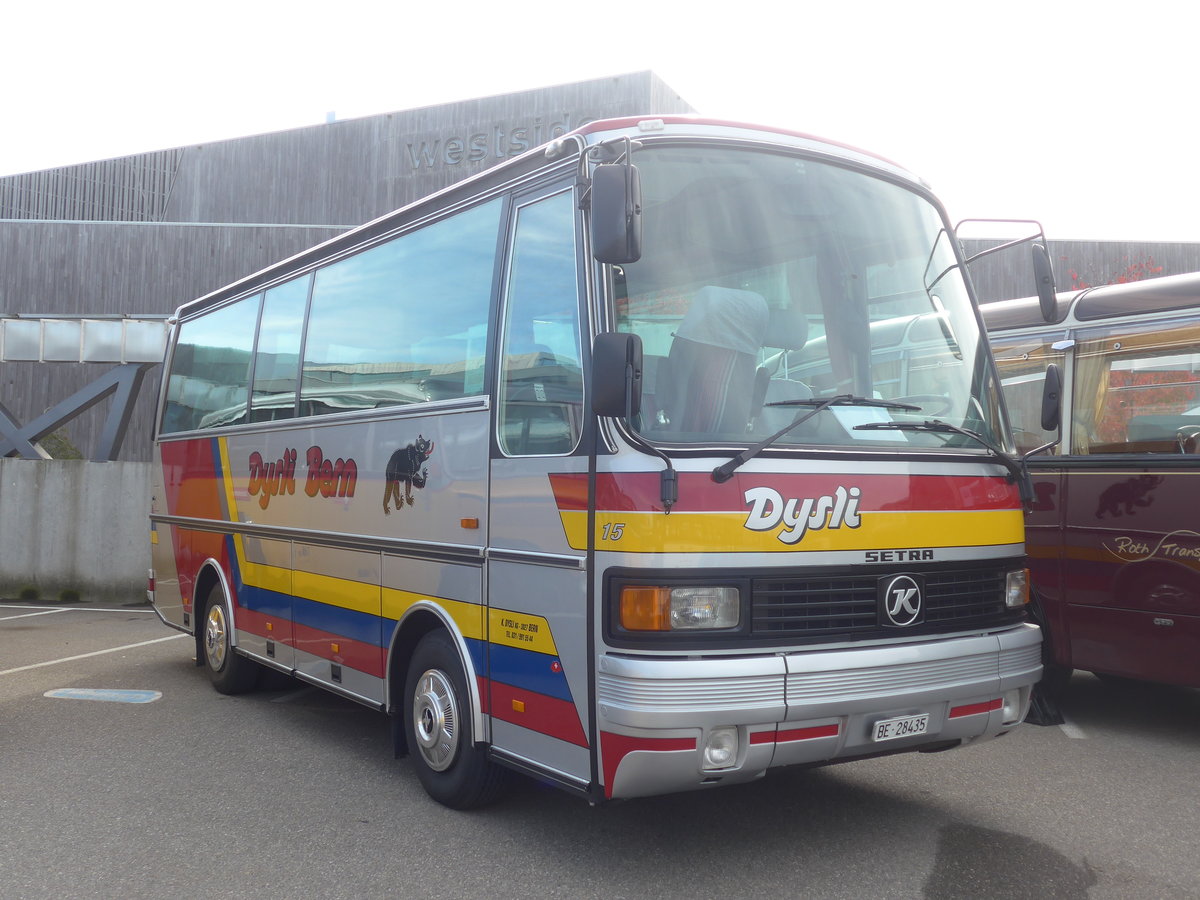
x=650, y=460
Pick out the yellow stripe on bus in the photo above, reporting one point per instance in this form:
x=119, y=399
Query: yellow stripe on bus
x=467, y=616
x=521, y=630
x=356, y=595
x=635, y=532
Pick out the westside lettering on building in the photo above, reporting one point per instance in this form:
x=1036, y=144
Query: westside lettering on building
x=499, y=141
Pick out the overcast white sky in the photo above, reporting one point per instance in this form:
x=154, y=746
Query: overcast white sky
x=1080, y=114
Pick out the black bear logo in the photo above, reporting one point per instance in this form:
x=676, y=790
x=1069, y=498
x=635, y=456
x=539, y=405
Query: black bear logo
x=1126, y=495
x=406, y=465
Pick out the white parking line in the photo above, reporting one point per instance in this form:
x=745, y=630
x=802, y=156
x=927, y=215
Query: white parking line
x=109, y=695
x=55, y=662
x=45, y=612
x=74, y=608
x=1073, y=731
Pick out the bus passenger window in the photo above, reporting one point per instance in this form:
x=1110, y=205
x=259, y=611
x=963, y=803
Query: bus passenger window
x=405, y=321
x=1136, y=392
x=208, y=384
x=277, y=354
x=541, y=398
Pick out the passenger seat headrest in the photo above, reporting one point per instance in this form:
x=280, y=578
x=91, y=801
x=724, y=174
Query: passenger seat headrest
x=787, y=329
x=726, y=317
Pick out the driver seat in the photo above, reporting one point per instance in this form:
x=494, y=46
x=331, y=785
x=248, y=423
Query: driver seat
x=708, y=381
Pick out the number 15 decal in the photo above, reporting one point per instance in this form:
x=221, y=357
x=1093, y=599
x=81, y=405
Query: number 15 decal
x=612, y=531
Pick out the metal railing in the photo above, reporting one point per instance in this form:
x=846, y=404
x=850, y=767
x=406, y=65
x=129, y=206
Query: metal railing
x=135, y=344
x=26, y=337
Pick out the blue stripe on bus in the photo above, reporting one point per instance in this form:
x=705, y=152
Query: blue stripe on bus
x=359, y=626
x=478, y=651
x=529, y=670
x=269, y=603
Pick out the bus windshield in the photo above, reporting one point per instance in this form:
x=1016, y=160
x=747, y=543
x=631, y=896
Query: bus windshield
x=769, y=282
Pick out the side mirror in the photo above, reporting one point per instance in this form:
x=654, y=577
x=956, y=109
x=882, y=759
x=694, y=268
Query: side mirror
x=1052, y=399
x=1043, y=273
x=617, y=374
x=616, y=221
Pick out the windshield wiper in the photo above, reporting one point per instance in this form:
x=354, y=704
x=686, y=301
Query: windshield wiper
x=1016, y=468
x=724, y=472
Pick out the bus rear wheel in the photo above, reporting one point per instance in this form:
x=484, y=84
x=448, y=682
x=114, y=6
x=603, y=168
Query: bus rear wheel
x=440, y=732
x=229, y=672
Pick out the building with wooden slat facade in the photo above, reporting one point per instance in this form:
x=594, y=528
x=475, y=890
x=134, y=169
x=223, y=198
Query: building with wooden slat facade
x=145, y=233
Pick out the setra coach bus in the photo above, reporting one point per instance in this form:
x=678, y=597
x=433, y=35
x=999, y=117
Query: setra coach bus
x=650, y=460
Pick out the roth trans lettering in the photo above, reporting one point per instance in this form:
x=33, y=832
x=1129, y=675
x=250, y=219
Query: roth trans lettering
x=769, y=509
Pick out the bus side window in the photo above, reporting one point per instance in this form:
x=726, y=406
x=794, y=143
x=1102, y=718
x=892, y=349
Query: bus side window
x=541, y=376
x=1022, y=365
x=277, y=353
x=1137, y=391
x=209, y=381
x=405, y=321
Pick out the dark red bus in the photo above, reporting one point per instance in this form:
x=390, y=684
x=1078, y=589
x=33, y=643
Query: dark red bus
x=1114, y=536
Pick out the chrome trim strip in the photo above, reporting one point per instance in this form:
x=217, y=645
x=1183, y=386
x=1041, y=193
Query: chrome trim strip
x=458, y=553
x=163, y=619
x=477, y=403
x=337, y=689
x=537, y=770
x=540, y=559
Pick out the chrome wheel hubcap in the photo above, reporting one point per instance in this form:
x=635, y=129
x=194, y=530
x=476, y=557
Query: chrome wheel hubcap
x=435, y=720
x=216, y=638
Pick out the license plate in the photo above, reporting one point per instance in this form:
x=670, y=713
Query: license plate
x=902, y=727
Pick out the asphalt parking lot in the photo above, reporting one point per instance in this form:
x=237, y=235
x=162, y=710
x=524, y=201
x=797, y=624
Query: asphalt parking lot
x=123, y=774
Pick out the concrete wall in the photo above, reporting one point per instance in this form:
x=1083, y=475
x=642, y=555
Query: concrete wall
x=74, y=531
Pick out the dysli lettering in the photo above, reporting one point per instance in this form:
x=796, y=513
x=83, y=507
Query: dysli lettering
x=769, y=509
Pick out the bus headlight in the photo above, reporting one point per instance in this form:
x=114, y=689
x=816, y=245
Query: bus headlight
x=688, y=608
x=720, y=749
x=1016, y=588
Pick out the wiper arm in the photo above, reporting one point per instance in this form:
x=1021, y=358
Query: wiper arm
x=724, y=472
x=1016, y=468
x=841, y=400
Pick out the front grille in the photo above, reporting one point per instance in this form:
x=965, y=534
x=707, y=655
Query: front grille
x=846, y=606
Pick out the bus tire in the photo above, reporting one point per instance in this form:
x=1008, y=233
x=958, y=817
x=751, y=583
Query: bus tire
x=439, y=727
x=1055, y=678
x=229, y=671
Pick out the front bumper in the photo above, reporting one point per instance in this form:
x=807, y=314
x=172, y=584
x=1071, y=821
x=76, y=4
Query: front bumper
x=804, y=707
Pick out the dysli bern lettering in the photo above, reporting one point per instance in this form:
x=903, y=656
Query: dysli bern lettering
x=329, y=478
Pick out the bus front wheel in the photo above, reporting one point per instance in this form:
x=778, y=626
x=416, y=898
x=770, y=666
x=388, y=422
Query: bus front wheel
x=229, y=672
x=438, y=725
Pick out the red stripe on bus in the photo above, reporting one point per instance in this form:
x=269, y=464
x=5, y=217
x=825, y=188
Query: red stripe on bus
x=615, y=747
x=365, y=658
x=537, y=712
x=795, y=734
x=641, y=491
x=190, y=479
x=975, y=709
